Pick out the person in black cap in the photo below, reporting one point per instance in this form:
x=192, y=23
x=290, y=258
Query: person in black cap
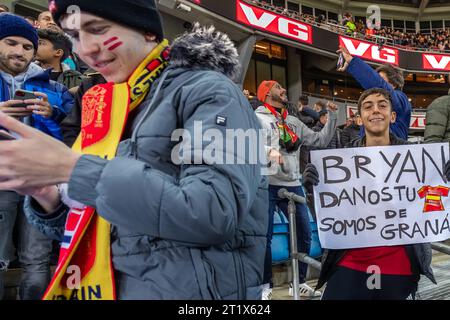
x=150, y=217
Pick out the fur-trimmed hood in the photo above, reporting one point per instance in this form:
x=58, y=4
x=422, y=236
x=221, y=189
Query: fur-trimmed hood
x=205, y=48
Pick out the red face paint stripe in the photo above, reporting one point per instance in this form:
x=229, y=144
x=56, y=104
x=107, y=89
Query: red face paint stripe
x=109, y=41
x=118, y=44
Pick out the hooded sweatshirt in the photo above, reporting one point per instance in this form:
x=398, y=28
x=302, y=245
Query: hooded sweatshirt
x=288, y=173
x=17, y=82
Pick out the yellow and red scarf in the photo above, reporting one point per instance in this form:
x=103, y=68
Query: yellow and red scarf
x=85, y=270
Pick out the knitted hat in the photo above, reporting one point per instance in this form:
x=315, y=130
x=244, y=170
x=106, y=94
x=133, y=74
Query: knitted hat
x=137, y=14
x=15, y=26
x=264, y=89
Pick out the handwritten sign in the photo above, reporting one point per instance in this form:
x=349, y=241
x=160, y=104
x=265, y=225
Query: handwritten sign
x=378, y=196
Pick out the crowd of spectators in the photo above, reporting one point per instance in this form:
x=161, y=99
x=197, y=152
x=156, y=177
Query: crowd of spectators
x=437, y=40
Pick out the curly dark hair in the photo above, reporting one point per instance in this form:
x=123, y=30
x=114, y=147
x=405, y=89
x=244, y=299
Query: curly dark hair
x=372, y=91
x=58, y=39
x=394, y=75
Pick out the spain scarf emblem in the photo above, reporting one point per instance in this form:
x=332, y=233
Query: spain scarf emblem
x=85, y=270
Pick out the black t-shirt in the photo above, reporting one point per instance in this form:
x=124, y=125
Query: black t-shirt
x=54, y=75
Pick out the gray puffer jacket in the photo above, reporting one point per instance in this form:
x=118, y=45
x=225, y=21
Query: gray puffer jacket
x=437, y=127
x=189, y=231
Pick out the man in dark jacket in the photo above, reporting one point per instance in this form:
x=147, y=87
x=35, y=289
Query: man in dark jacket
x=18, y=44
x=388, y=78
x=351, y=131
x=335, y=142
x=437, y=128
x=306, y=115
x=180, y=226
x=343, y=269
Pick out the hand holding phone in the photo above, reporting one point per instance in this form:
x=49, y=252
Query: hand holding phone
x=40, y=105
x=10, y=108
x=26, y=103
x=17, y=107
x=23, y=95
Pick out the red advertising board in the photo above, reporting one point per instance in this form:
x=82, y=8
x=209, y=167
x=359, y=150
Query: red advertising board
x=436, y=61
x=273, y=23
x=370, y=51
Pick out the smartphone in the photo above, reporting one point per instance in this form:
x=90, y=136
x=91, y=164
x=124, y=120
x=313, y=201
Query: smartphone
x=340, y=62
x=5, y=135
x=23, y=95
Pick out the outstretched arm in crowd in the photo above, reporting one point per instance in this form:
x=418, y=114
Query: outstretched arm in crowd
x=322, y=138
x=369, y=78
x=366, y=76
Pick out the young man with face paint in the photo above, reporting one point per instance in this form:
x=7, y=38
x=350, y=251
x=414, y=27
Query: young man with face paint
x=160, y=230
x=346, y=272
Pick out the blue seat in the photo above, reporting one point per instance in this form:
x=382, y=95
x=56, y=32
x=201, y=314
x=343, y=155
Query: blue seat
x=280, y=237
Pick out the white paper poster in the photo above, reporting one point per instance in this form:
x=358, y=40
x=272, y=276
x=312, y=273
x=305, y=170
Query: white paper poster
x=379, y=196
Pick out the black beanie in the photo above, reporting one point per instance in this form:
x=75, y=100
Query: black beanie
x=138, y=14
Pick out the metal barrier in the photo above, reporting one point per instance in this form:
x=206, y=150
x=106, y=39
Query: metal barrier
x=294, y=255
x=441, y=247
x=303, y=257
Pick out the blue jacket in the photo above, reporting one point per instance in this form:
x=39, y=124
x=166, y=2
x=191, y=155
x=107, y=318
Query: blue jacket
x=368, y=78
x=58, y=96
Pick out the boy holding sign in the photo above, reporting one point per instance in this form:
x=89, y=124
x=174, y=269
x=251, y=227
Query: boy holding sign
x=375, y=273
